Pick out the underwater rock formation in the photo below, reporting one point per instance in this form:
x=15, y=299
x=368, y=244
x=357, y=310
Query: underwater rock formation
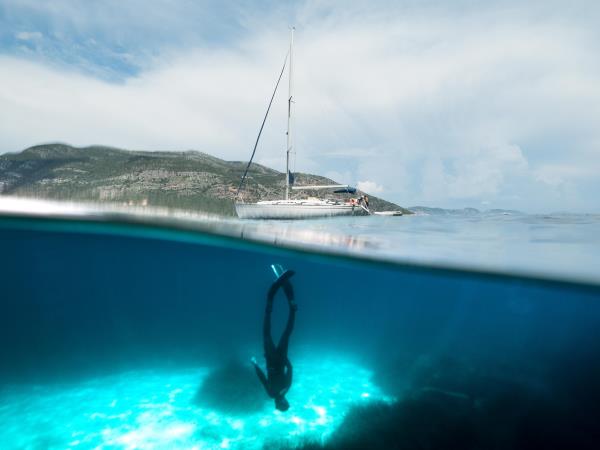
x=454, y=404
x=232, y=388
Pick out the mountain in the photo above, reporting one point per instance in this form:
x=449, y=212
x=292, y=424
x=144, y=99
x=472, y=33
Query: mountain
x=185, y=180
x=461, y=212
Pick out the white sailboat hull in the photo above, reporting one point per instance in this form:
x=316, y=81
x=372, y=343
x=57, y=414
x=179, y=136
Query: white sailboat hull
x=294, y=209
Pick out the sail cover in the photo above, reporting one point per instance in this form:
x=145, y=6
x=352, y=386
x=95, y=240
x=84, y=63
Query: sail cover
x=349, y=190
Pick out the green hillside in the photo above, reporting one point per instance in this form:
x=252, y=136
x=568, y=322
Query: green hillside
x=185, y=180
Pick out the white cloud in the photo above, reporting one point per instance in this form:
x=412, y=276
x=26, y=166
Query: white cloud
x=478, y=173
x=441, y=106
x=29, y=35
x=555, y=175
x=370, y=187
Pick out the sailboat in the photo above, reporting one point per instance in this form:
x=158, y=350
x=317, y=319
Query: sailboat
x=288, y=208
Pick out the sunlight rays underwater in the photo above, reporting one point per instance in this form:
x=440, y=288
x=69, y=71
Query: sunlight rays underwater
x=154, y=409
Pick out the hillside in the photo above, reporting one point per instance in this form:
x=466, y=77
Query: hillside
x=185, y=180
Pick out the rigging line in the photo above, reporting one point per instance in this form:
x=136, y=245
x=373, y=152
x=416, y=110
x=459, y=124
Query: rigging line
x=262, y=126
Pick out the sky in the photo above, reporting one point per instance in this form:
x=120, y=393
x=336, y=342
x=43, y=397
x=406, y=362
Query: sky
x=485, y=104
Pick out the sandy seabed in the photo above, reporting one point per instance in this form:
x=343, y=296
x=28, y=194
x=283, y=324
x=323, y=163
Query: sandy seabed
x=154, y=409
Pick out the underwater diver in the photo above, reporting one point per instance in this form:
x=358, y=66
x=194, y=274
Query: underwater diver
x=278, y=380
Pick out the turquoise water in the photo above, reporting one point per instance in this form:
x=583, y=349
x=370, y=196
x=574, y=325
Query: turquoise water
x=121, y=335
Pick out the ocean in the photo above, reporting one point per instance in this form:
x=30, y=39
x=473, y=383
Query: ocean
x=557, y=245
x=446, y=329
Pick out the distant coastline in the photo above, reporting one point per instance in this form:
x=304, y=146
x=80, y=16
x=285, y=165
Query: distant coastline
x=188, y=180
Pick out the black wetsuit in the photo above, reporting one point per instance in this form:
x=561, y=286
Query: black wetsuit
x=279, y=369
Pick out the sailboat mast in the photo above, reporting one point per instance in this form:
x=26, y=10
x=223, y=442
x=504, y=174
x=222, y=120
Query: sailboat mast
x=289, y=121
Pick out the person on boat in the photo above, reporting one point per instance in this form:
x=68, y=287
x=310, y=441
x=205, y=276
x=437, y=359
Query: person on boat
x=363, y=200
x=278, y=380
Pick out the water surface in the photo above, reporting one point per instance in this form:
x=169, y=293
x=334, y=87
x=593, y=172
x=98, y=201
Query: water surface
x=564, y=246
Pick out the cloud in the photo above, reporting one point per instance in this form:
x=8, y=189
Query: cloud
x=441, y=104
x=482, y=172
x=370, y=187
x=558, y=175
x=29, y=35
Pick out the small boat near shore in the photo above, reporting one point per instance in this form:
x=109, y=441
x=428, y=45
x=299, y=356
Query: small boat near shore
x=388, y=213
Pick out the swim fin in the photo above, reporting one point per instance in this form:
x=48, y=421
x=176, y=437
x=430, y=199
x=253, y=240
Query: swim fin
x=282, y=278
x=277, y=270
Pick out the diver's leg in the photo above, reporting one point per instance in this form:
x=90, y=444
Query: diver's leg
x=267, y=339
x=282, y=281
x=289, y=293
x=282, y=347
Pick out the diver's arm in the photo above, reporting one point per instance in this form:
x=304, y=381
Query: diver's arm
x=261, y=377
x=289, y=373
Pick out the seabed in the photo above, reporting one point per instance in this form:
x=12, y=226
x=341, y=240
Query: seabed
x=154, y=409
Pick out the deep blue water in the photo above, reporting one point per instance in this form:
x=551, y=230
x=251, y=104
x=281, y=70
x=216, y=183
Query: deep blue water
x=137, y=335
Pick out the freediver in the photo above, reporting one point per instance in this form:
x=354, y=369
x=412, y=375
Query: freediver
x=278, y=380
